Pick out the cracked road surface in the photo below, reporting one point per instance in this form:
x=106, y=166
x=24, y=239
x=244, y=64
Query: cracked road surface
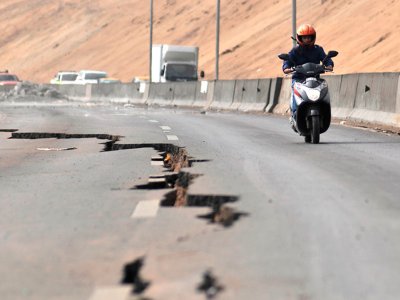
x=322, y=221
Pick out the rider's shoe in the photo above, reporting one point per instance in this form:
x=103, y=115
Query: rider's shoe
x=292, y=123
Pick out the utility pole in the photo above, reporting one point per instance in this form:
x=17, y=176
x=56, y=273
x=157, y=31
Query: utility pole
x=151, y=39
x=294, y=21
x=217, y=42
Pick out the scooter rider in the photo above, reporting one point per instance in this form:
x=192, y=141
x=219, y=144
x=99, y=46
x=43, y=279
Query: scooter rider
x=305, y=52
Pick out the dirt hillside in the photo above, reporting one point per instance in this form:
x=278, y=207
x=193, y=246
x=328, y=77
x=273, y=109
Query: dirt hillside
x=40, y=37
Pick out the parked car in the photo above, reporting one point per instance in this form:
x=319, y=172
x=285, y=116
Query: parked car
x=8, y=79
x=64, y=77
x=90, y=76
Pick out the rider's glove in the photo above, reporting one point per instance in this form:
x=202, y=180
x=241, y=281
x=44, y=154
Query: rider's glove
x=288, y=70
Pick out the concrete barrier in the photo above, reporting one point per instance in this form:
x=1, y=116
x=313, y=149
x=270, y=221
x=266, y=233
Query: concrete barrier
x=253, y=99
x=202, y=89
x=144, y=88
x=375, y=100
x=334, y=82
x=184, y=93
x=366, y=93
x=377, y=91
x=238, y=94
x=348, y=90
x=343, y=105
x=274, y=93
x=210, y=94
x=117, y=92
x=161, y=94
x=282, y=105
x=74, y=91
x=388, y=93
x=223, y=94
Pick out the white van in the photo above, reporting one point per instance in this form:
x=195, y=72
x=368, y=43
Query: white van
x=64, y=77
x=90, y=76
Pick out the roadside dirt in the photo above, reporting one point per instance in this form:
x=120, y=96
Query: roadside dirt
x=390, y=130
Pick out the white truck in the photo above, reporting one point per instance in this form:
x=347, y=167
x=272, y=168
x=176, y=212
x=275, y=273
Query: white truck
x=174, y=63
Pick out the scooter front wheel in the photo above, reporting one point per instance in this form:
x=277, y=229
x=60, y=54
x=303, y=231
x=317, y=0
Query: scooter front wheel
x=315, y=129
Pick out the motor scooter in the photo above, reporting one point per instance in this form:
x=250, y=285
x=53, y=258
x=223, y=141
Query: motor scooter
x=313, y=114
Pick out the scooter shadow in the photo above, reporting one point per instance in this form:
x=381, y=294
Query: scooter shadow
x=356, y=143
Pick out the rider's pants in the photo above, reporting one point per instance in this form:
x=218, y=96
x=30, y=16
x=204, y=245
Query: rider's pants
x=293, y=104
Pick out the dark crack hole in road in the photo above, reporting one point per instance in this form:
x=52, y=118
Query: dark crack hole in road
x=173, y=156
x=221, y=213
x=132, y=276
x=8, y=130
x=167, y=181
x=48, y=135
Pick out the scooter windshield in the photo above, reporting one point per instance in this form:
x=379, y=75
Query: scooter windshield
x=310, y=69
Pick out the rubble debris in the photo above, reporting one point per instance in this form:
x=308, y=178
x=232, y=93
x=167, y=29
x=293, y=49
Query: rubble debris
x=224, y=215
x=24, y=90
x=210, y=285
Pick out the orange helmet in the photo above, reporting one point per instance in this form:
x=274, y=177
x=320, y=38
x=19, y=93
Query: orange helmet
x=306, y=30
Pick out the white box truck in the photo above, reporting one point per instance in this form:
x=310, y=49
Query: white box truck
x=174, y=63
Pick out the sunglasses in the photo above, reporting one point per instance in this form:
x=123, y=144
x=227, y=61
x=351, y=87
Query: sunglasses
x=306, y=37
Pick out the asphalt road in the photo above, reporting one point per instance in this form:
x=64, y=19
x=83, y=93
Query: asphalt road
x=319, y=221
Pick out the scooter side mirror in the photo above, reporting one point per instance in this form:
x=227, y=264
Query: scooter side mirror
x=284, y=56
x=332, y=53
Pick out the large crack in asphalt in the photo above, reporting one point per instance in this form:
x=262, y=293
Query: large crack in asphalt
x=174, y=158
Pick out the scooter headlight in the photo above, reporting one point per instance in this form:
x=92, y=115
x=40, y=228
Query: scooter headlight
x=313, y=95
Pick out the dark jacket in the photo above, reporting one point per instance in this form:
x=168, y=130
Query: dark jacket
x=301, y=55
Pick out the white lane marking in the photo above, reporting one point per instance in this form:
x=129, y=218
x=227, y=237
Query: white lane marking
x=157, y=163
x=153, y=121
x=146, y=209
x=172, y=138
x=165, y=127
x=157, y=180
x=111, y=292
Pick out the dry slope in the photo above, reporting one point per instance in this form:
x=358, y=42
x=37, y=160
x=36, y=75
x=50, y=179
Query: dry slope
x=40, y=37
